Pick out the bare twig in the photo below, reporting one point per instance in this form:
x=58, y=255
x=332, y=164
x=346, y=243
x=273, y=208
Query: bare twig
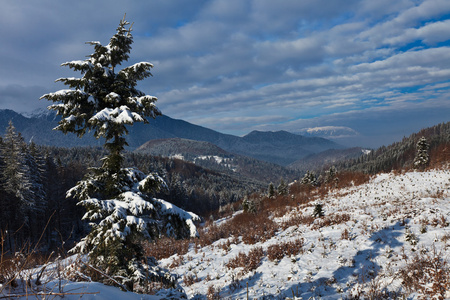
x=46, y=294
x=107, y=276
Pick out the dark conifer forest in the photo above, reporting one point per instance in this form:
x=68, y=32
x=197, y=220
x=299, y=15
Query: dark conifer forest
x=34, y=181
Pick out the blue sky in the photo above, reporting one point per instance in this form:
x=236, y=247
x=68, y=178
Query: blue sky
x=379, y=67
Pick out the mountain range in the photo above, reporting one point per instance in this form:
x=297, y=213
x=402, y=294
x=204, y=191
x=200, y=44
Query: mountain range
x=280, y=147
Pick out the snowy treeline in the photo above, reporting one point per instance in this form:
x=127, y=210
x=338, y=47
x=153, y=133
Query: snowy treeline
x=403, y=154
x=32, y=195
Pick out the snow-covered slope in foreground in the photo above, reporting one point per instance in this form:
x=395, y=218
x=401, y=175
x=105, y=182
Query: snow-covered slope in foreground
x=362, y=247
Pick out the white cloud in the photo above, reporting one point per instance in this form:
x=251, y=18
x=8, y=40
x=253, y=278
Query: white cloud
x=256, y=63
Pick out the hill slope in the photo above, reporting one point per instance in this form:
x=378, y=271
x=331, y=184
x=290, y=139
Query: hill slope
x=176, y=146
x=318, y=161
x=401, y=154
x=210, y=156
x=375, y=241
x=281, y=147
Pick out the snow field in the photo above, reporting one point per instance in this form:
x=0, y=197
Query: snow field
x=368, y=235
x=365, y=245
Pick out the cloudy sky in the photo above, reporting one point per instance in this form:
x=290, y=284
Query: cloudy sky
x=381, y=68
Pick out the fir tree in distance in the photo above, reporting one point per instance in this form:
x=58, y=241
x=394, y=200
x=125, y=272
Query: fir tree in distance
x=118, y=200
x=309, y=179
x=421, y=159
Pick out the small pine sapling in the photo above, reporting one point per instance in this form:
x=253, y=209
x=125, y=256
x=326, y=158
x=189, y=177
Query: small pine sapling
x=271, y=190
x=318, y=211
x=283, y=188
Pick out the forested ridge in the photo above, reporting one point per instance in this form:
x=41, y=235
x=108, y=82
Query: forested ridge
x=400, y=155
x=35, y=179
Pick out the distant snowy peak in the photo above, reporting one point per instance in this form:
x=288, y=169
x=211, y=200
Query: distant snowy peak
x=330, y=132
x=41, y=113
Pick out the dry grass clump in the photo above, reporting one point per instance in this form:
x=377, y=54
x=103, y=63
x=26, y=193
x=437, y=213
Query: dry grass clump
x=258, y=228
x=427, y=274
x=252, y=228
x=248, y=262
x=297, y=220
x=439, y=222
x=213, y=293
x=346, y=179
x=278, y=251
x=190, y=279
x=332, y=219
x=14, y=269
x=212, y=233
x=345, y=235
x=446, y=238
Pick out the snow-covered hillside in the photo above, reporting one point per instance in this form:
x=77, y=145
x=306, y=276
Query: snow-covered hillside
x=369, y=241
x=384, y=239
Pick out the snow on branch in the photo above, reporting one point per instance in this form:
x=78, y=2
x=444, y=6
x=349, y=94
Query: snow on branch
x=118, y=115
x=189, y=218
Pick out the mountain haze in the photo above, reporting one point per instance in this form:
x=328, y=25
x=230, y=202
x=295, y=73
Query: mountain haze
x=280, y=147
x=210, y=156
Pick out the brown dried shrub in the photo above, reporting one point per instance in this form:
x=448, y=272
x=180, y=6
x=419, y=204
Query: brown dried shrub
x=259, y=231
x=427, y=274
x=296, y=220
x=329, y=220
x=348, y=178
x=213, y=293
x=253, y=227
x=278, y=251
x=345, y=235
x=248, y=262
x=302, y=193
x=190, y=279
x=210, y=234
x=439, y=156
x=277, y=206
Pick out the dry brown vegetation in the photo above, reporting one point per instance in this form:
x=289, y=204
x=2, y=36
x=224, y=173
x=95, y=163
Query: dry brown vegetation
x=427, y=274
x=439, y=156
x=248, y=262
x=259, y=226
x=280, y=250
x=283, y=211
x=330, y=220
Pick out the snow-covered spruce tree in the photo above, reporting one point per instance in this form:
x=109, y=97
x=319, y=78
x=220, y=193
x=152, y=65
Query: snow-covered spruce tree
x=20, y=202
x=330, y=174
x=283, y=188
x=309, y=179
x=271, y=190
x=118, y=200
x=248, y=206
x=422, y=158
